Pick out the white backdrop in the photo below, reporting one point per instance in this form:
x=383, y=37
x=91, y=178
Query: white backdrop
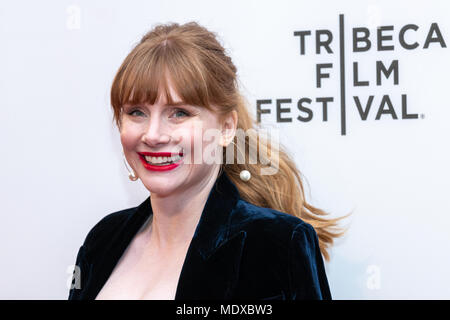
x=61, y=165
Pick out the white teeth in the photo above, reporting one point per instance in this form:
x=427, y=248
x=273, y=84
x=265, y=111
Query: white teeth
x=159, y=160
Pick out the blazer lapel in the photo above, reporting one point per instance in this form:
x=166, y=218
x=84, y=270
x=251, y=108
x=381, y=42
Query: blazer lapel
x=211, y=266
x=215, y=277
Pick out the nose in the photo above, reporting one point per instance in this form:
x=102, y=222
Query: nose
x=155, y=133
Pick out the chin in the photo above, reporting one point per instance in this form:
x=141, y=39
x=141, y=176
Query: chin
x=160, y=186
x=162, y=192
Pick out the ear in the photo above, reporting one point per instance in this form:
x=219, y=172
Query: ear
x=229, y=126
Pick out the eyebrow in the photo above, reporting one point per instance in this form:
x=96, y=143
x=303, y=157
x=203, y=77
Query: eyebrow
x=175, y=104
x=181, y=103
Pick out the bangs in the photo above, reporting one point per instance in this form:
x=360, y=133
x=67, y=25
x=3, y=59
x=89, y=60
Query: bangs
x=147, y=74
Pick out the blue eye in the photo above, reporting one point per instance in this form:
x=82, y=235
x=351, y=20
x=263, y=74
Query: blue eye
x=182, y=112
x=177, y=114
x=132, y=112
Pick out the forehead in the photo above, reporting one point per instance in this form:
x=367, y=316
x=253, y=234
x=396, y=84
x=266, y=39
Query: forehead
x=169, y=94
x=165, y=96
x=172, y=100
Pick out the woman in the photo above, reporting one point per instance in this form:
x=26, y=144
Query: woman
x=209, y=229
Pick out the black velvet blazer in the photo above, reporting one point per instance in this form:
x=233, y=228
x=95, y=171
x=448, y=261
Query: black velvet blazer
x=238, y=251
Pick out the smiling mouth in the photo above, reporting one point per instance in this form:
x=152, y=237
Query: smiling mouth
x=161, y=159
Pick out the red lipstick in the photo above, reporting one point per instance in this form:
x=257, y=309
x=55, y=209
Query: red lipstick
x=167, y=167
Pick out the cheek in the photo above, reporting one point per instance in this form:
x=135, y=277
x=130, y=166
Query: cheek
x=129, y=137
x=188, y=137
x=185, y=136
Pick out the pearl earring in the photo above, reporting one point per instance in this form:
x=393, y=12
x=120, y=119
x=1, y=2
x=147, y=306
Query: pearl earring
x=132, y=176
x=245, y=175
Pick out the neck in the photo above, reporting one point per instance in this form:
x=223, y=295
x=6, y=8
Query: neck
x=175, y=217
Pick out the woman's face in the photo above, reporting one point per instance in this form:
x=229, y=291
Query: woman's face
x=147, y=130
